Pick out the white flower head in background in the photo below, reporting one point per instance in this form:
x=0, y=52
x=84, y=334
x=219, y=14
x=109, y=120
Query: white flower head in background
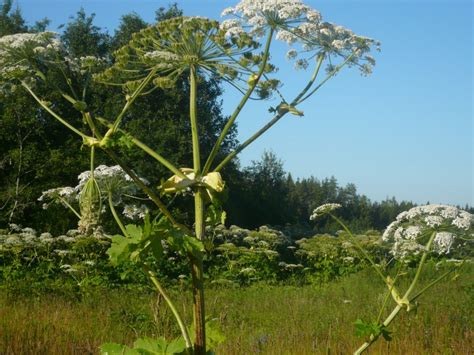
x=302, y=28
x=409, y=233
x=324, y=209
x=60, y=195
x=135, y=212
x=21, y=54
x=110, y=179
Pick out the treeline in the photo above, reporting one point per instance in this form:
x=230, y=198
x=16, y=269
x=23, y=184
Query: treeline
x=37, y=153
x=267, y=194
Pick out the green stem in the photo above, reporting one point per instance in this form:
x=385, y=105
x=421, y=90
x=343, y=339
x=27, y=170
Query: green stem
x=274, y=120
x=161, y=206
x=330, y=75
x=360, y=248
x=420, y=267
x=130, y=101
x=116, y=217
x=174, y=310
x=235, y=114
x=311, y=81
x=194, y=120
x=166, y=163
x=52, y=113
x=70, y=207
x=387, y=297
x=92, y=161
x=249, y=141
x=406, y=296
x=431, y=284
x=196, y=262
x=386, y=323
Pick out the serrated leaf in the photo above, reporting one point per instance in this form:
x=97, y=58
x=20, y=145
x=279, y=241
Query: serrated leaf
x=134, y=232
x=176, y=346
x=117, y=250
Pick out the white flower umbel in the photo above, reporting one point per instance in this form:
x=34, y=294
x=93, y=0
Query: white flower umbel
x=22, y=53
x=110, y=179
x=62, y=195
x=324, y=209
x=410, y=231
x=299, y=25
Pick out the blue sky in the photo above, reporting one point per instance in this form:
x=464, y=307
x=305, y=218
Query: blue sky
x=406, y=131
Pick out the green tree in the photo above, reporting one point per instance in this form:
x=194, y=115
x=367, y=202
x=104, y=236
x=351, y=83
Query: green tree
x=11, y=20
x=83, y=38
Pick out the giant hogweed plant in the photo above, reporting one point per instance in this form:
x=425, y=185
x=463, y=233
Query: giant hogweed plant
x=189, y=49
x=415, y=235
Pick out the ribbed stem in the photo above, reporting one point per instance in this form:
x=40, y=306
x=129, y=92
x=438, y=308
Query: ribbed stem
x=196, y=261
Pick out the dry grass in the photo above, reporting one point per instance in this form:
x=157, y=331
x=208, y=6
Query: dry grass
x=259, y=319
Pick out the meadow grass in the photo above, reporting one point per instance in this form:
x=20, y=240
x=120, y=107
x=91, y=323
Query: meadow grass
x=260, y=319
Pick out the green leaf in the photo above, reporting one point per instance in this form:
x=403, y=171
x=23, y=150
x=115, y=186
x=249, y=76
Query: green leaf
x=122, y=248
x=160, y=346
x=214, y=336
x=176, y=346
x=117, y=349
x=134, y=232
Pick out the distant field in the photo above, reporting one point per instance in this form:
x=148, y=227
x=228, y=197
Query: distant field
x=258, y=319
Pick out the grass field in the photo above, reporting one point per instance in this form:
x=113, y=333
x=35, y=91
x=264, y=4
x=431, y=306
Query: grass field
x=255, y=320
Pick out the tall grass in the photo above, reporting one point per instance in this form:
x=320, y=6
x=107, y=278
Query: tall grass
x=258, y=319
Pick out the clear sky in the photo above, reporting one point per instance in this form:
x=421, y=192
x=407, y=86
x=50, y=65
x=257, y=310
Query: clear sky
x=406, y=131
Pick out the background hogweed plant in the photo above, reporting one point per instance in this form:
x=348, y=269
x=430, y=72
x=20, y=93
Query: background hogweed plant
x=413, y=236
x=177, y=53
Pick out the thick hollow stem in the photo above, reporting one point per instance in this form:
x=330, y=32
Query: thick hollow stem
x=196, y=261
x=194, y=120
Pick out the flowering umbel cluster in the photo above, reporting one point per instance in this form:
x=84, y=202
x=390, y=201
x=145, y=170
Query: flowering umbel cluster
x=169, y=49
x=409, y=233
x=111, y=180
x=303, y=29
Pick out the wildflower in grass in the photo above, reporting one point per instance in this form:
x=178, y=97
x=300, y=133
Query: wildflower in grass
x=324, y=209
x=410, y=231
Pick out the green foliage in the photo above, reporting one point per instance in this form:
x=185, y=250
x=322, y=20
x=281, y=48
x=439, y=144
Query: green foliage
x=11, y=20
x=83, y=38
x=374, y=330
x=146, y=346
x=139, y=241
